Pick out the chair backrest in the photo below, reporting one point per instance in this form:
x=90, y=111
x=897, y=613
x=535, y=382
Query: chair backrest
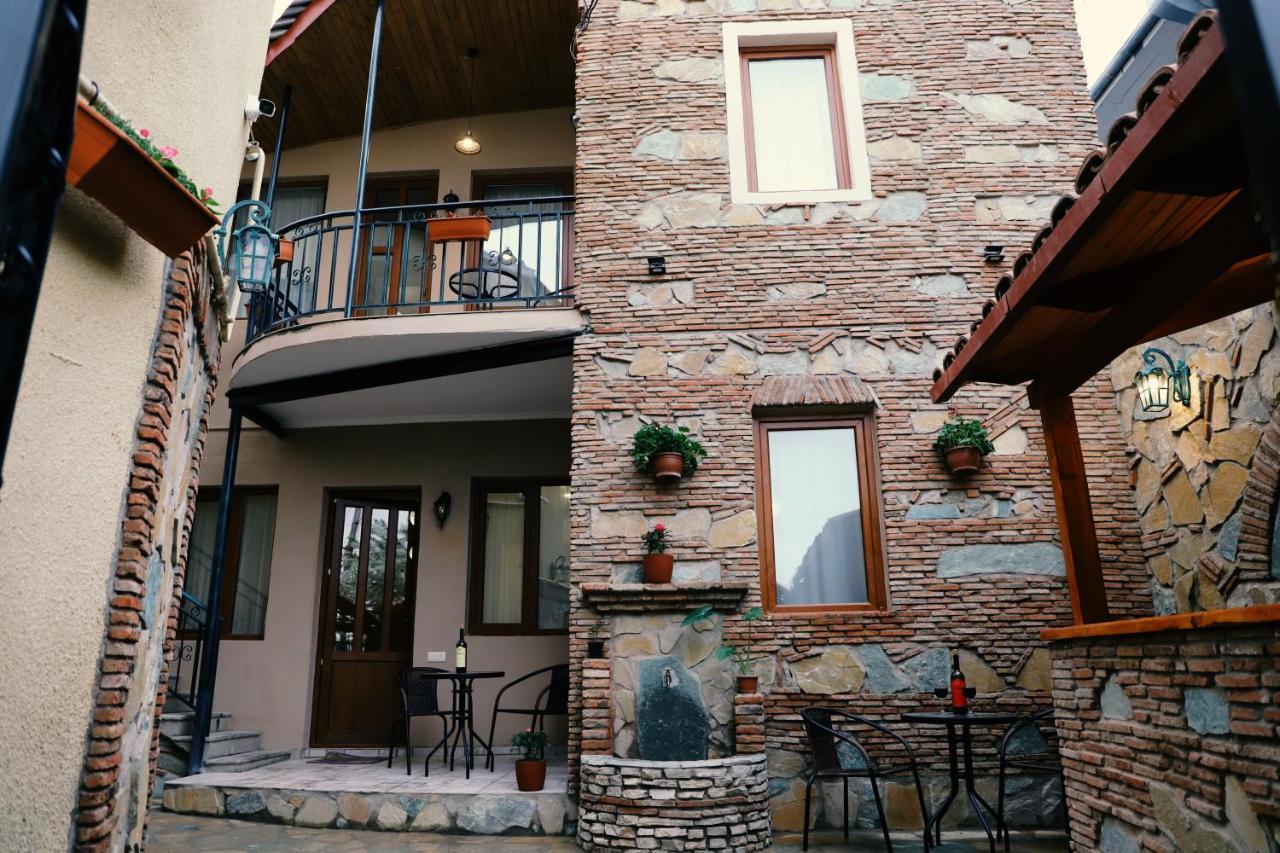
x=418, y=688
x=1024, y=740
x=558, y=696
x=833, y=749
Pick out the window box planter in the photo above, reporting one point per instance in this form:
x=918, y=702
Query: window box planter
x=108, y=166
x=284, y=252
x=445, y=228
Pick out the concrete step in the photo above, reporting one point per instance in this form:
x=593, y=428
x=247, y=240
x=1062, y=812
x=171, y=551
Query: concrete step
x=224, y=743
x=242, y=761
x=177, y=723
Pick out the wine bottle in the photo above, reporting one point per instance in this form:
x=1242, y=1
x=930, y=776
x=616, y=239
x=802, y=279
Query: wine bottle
x=460, y=652
x=959, y=701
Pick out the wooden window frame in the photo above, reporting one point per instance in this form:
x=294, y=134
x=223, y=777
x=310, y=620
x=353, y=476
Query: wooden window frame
x=402, y=183
x=481, y=487
x=870, y=494
x=835, y=105
x=231, y=577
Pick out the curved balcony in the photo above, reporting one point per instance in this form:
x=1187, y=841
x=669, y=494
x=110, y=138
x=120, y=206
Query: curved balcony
x=393, y=267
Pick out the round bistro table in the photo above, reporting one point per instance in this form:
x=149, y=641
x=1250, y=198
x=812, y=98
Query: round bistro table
x=959, y=734
x=462, y=718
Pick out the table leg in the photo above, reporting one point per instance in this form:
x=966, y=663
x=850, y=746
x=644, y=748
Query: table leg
x=971, y=792
x=954, y=772
x=468, y=729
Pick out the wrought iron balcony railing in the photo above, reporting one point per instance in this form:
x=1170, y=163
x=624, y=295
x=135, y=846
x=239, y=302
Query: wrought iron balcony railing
x=394, y=267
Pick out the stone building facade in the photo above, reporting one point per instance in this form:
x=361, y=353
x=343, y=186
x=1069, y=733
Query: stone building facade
x=974, y=116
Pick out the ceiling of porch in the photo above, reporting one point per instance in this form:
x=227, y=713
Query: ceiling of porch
x=423, y=74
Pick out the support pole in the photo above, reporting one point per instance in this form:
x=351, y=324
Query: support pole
x=370, y=90
x=213, y=620
x=1075, y=512
x=275, y=157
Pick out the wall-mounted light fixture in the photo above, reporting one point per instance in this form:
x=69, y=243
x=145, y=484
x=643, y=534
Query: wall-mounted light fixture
x=657, y=265
x=1156, y=385
x=252, y=253
x=993, y=254
x=441, y=507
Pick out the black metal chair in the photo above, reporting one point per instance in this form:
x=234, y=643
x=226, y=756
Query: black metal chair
x=552, y=701
x=1024, y=747
x=837, y=754
x=418, y=698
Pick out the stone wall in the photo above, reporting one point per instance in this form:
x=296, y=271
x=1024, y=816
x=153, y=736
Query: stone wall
x=141, y=618
x=1171, y=740
x=721, y=804
x=1205, y=473
x=975, y=115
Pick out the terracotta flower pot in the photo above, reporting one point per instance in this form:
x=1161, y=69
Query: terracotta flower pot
x=595, y=649
x=668, y=467
x=110, y=167
x=657, y=568
x=963, y=460
x=444, y=228
x=530, y=775
x=284, y=253
x=748, y=683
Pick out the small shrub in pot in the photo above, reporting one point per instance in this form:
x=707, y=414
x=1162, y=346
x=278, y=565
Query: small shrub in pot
x=665, y=452
x=657, y=563
x=962, y=444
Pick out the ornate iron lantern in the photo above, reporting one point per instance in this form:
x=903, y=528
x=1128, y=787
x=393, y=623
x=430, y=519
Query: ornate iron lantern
x=441, y=507
x=1156, y=385
x=253, y=246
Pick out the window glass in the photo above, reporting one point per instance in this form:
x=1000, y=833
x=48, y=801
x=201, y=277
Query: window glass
x=791, y=124
x=257, y=533
x=526, y=243
x=200, y=549
x=819, y=556
x=401, y=618
x=344, y=621
x=503, y=558
x=553, y=554
x=375, y=583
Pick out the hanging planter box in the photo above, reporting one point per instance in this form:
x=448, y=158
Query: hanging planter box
x=445, y=228
x=108, y=166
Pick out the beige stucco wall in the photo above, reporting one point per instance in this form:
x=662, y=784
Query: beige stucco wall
x=267, y=684
x=184, y=75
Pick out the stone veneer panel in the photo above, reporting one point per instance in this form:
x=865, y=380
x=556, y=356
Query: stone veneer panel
x=1189, y=759
x=721, y=804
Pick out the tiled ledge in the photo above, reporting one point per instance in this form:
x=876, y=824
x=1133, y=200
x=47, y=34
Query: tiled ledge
x=725, y=596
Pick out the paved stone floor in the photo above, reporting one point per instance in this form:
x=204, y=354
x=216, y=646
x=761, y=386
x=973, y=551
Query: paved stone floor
x=174, y=833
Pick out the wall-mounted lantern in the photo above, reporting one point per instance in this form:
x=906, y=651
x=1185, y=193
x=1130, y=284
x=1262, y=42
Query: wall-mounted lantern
x=1156, y=385
x=441, y=507
x=253, y=246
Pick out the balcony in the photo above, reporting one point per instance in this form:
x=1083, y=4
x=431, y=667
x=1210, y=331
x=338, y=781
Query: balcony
x=382, y=262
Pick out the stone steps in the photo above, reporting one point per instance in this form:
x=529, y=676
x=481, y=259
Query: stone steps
x=175, y=724
x=224, y=743
x=242, y=761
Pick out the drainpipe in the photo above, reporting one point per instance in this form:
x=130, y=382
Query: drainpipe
x=213, y=622
x=370, y=90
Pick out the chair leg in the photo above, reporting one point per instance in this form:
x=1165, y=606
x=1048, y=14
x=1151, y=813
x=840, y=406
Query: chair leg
x=493, y=725
x=1001, y=828
x=884, y=821
x=845, y=781
x=408, y=747
x=808, y=795
x=924, y=809
x=391, y=741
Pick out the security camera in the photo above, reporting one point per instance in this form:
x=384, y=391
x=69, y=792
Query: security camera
x=574, y=119
x=256, y=108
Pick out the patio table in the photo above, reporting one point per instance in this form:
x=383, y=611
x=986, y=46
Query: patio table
x=959, y=728
x=462, y=717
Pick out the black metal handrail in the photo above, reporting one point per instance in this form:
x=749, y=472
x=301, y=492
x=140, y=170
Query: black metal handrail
x=394, y=267
x=193, y=616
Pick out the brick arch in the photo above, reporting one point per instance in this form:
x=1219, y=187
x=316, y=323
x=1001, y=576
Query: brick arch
x=1258, y=507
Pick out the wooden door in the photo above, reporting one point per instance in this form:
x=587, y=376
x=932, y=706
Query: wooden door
x=394, y=265
x=366, y=617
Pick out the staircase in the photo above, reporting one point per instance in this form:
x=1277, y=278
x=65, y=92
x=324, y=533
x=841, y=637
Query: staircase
x=227, y=750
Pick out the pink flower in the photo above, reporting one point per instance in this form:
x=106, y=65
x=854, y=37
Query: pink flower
x=206, y=192
x=169, y=151
x=659, y=528
x=144, y=133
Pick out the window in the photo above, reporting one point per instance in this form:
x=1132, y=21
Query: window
x=534, y=236
x=819, y=498
x=388, y=274
x=795, y=119
x=519, y=578
x=248, y=574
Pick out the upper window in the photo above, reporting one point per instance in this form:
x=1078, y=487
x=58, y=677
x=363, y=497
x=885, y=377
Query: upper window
x=795, y=119
x=519, y=579
x=819, y=497
x=250, y=536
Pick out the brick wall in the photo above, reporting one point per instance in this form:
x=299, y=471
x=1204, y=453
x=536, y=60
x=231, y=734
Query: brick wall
x=876, y=290
x=122, y=743
x=1171, y=741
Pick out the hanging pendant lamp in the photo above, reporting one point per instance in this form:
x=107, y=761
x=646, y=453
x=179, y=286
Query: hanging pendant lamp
x=468, y=144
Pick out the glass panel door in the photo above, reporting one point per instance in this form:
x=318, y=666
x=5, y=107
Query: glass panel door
x=527, y=243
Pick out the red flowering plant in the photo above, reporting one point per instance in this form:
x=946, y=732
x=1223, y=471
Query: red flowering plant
x=162, y=154
x=655, y=541
x=533, y=744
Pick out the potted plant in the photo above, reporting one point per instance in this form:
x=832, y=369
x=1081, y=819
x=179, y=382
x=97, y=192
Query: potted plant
x=666, y=453
x=963, y=443
x=741, y=657
x=595, y=645
x=284, y=252
x=657, y=562
x=138, y=180
x=531, y=769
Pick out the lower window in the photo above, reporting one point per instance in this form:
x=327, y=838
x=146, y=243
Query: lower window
x=819, y=498
x=519, y=575
x=250, y=535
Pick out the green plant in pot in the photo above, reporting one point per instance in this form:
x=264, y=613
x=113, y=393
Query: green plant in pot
x=657, y=562
x=962, y=444
x=531, y=767
x=741, y=656
x=665, y=452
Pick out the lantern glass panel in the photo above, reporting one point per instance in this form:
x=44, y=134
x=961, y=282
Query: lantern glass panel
x=255, y=258
x=1153, y=390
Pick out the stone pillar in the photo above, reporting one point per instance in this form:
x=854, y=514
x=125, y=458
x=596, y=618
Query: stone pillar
x=748, y=723
x=597, y=738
